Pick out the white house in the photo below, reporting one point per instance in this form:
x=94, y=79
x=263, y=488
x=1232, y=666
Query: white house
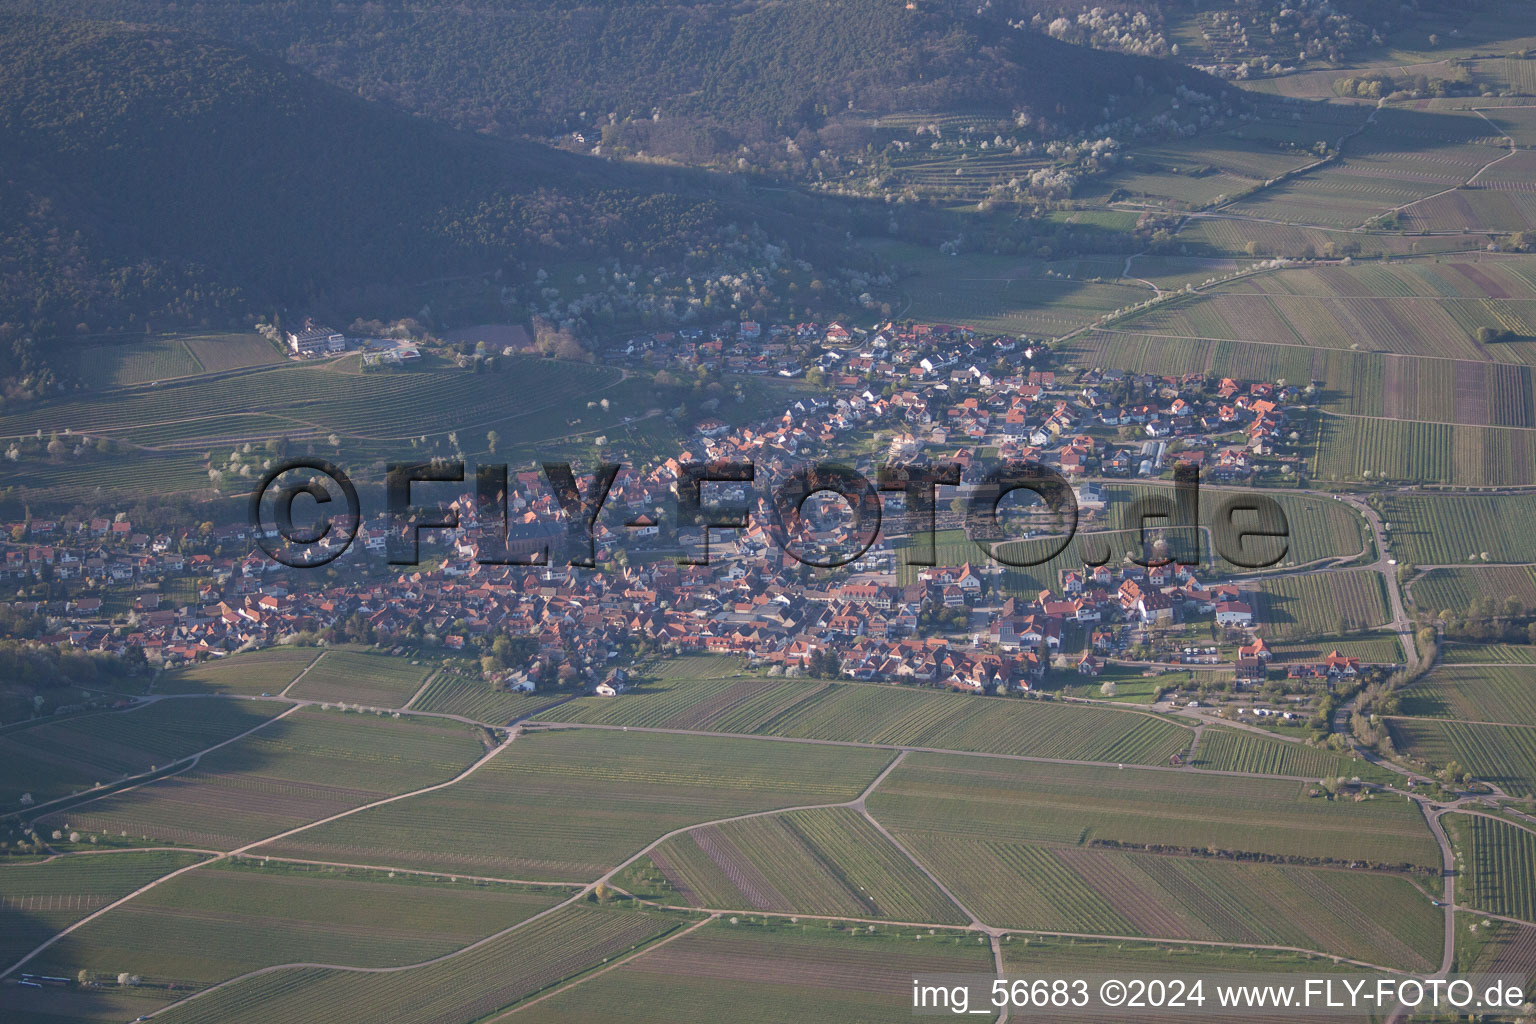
x=1234, y=613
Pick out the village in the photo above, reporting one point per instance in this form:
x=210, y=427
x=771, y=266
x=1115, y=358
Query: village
x=918, y=394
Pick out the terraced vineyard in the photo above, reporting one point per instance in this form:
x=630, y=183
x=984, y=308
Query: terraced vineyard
x=470, y=985
x=760, y=971
x=307, y=766
x=1446, y=530
x=1454, y=590
x=566, y=805
x=55, y=759
x=898, y=716
x=252, y=673
x=38, y=900
x=222, y=921
x=530, y=400
x=1233, y=750
x=715, y=705
x=1500, y=866
x=1497, y=654
x=1401, y=451
x=996, y=800
x=1376, y=917
x=907, y=717
x=362, y=677
x=830, y=861
x=453, y=694
x=1329, y=603
x=1502, y=754
x=1504, y=694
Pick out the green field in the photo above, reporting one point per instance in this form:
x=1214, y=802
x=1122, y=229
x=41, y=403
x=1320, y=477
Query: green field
x=1331, y=603
x=1454, y=590
x=309, y=765
x=252, y=673
x=1375, y=917
x=453, y=694
x=56, y=759
x=362, y=677
x=1008, y=294
x=741, y=705
x=761, y=971
x=1422, y=307
x=218, y=922
x=469, y=986
x=137, y=360
x=1217, y=236
x=923, y=718
x=1499, y=866
x=1351, y=383
x=1503, y=694
x=81, y=1006
x=1451, y=530
x=220, y=352
x=1052, y=957
x=566, y=805
x=1504, y=755
x=995, y=800
x=524, y=401
x=38, y=900
x=1241, y=751
x=830, y=861
x=1372, y=648
x=1495, y=654
x=1349, y=448
x=1402, y=157
x=893, y=715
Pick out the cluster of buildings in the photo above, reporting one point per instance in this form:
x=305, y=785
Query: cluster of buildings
x=948, y=387
x=941, y=392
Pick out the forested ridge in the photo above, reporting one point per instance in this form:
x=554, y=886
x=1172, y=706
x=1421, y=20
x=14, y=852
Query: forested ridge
x=744, y=70
x=151, y=175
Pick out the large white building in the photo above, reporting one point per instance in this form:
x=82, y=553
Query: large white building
x=313, y=339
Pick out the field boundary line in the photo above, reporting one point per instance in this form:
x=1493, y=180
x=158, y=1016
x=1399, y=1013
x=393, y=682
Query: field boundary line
x=1002, y=972
x=406, y=871
x=121, y=849
x=1461, y=721
x=295, y=681
x=132, y=782
x=1124, y=765
x=1463, y=908
x=604, y=969
x=1471, y=813
x=574, y=898
x=976, y=922
x=240, y=851
x=1003, y=931
x=431, y=678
